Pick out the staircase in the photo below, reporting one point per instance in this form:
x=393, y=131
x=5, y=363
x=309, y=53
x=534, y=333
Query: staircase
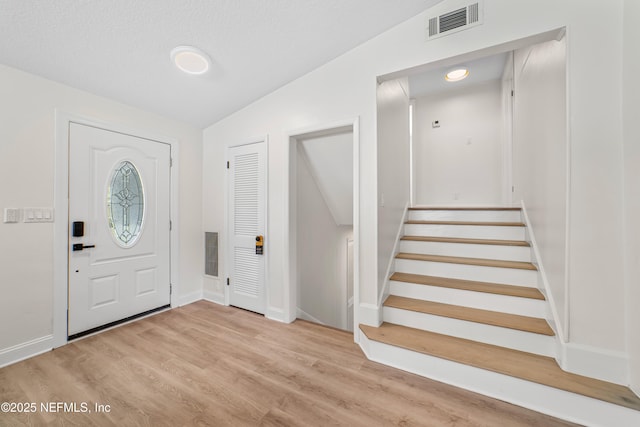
x=464, y=308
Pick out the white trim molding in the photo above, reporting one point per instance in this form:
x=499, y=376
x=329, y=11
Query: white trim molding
x=301, y=314
x=276, y=314
x=605, y=365
x=215, y=297
x=25, y=350
x=289, y=189
x=190, y=298
x=370, y=314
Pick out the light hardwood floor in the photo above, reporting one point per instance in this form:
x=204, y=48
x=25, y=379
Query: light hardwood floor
x=208, y=365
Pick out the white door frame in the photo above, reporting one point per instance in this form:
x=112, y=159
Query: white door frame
x=227, y=222
x=290, y=232
x=61, y=209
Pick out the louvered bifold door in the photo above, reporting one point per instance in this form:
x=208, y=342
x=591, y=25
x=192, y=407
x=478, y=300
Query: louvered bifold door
x=247, y=205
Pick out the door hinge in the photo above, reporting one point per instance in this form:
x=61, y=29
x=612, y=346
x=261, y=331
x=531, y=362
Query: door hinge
x=227, y=281
x=513, y=188
x=227, y=164
x=170, y=162
x=512, y=92
x=170, y=225
x=170, y=288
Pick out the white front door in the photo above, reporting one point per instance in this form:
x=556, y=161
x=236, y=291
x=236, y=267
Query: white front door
x=119, y=229
x=247, y=213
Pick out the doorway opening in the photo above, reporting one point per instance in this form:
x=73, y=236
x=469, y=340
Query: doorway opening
x=463, y=151
x=459, y=140
x=529, y=99
x=323, y=199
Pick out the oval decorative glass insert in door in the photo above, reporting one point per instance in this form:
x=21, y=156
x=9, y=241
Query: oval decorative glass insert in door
x=125, y=204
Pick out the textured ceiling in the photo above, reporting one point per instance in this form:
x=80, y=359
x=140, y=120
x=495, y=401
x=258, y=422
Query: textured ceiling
x=120, y=48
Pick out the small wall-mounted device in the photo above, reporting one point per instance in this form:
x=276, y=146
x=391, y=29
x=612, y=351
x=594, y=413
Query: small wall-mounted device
x=435, y=124
x=11, y=215
x=77, y=229
x=259, y=245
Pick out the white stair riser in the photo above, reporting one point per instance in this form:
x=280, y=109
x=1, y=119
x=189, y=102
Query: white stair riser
x=485, y=301
x=506, y=276
x=445, y=215
x=507, y=253
x=466, y=231
x=558, y=403
x=510, y=338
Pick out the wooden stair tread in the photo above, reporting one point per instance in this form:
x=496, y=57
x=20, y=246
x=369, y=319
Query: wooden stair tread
x=493, y=318
x=465, y=208
x=466, y=240
x=469, y=261
x=475, y=223
x=538, y=369
x=469, y=285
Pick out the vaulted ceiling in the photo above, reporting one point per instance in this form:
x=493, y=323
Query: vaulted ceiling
x=120, y=48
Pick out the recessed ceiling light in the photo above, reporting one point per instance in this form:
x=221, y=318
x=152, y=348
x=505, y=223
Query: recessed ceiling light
x=191, y=60
x=456, y=75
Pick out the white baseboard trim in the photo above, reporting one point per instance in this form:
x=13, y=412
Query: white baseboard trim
x=370, y=314
x=23, y=351
x=189, y=298
x=213, y=297
x=605, y=365
x=301, y=314
x=276, y=314
x=557, y=403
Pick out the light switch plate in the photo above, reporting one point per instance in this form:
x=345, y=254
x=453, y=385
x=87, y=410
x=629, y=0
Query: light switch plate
x=38, y=215
x=11, y=215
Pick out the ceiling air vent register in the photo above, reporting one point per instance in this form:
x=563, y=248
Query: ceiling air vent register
x=455, y=20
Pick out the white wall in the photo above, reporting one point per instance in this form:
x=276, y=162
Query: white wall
x=27, y=141
x=321, y=253
x=459, y=163
x=540, y=159
x=330, y=161
x=393, y=167
x=345, y=88
x=631, y=98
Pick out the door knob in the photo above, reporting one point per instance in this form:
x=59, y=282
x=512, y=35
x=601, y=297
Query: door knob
x=80, y=246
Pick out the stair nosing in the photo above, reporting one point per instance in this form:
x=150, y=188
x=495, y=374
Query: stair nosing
x=547, y=373
x=471, y=223
x=475, y=315
x=480, y=262
x=466, y=208
x=469, y=285
x=467, y=241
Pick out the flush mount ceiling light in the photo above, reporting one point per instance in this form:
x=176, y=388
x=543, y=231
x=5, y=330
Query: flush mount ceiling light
x=456, y=75
x=190, y=59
